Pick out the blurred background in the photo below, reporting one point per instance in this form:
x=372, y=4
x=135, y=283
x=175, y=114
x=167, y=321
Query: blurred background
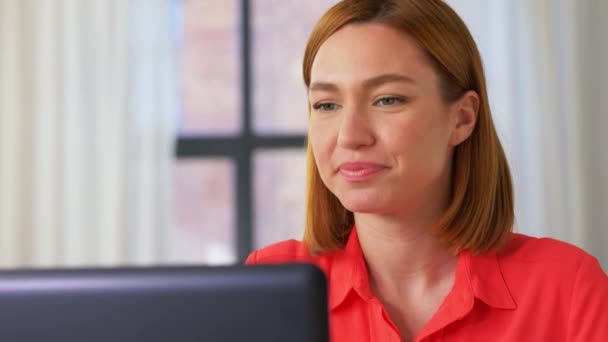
x=139, y=132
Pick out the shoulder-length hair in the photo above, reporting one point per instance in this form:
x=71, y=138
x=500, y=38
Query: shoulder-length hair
x=480, y=215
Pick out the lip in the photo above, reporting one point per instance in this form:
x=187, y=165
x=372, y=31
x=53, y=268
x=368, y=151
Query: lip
x=359, y=171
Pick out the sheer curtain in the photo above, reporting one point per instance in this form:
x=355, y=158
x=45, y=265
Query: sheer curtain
x=87, y=101
x=547, y=70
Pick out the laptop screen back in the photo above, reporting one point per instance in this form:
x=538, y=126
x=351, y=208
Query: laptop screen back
x=186, y=304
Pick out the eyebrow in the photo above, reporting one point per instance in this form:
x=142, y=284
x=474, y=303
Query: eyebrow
x=369, y=83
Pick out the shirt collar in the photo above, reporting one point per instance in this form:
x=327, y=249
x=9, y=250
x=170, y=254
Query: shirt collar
x=486, y=280
x=477, y=276
x=348, y=272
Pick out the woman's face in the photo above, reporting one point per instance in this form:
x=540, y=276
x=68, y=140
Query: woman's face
x=380, y=133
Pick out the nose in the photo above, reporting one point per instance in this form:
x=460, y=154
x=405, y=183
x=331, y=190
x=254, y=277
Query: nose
x=355, y=131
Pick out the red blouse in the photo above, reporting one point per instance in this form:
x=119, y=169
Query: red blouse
x=534, y=290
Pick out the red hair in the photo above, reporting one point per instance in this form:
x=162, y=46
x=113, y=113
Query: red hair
x=481, y=212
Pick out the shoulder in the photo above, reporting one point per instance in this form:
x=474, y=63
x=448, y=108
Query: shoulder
x=290, y=251
x=565, y=280
x=548, y=263
x=281, y=252
x=545, y=251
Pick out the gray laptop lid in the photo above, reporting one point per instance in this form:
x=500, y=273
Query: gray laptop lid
x=181, y=304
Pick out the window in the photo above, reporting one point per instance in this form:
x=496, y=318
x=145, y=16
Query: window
x=240, y=166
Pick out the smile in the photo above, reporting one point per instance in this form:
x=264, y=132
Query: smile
x=359, y=172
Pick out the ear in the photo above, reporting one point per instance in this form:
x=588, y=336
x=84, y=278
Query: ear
x=463, y=116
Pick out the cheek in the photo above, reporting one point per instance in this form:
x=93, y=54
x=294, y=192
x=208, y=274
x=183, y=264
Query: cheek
x=420, y=140
x=321, y=143
x=406, y=136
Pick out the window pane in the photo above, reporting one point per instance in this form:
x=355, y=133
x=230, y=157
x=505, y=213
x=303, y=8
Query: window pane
x=279, y=185
x=280, y=32
x=204, y=197
x=210, y=70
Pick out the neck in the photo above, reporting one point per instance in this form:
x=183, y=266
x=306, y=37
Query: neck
x=403, y=254
x=410, y=271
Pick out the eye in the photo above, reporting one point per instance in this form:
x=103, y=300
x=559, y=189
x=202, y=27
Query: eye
x=389, y=101
x=325, y=106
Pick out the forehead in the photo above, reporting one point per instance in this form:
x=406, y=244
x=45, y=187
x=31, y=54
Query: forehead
x=361, y=51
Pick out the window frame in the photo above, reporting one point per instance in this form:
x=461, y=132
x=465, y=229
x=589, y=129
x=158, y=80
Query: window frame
x=240, y=147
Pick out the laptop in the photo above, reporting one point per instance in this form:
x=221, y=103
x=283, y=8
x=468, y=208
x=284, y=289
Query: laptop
x=168, y=304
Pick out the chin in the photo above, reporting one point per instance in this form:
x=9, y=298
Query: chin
x=364, y=202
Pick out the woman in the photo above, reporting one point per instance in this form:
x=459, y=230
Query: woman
x=410, y=202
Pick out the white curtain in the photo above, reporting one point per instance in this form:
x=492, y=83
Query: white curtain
x=547, y=68
x=87, y=101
